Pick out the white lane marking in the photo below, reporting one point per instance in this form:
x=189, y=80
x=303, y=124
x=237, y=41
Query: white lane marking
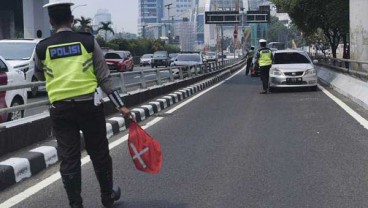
x=53, y=178
x=200, y=94
x=350, y=111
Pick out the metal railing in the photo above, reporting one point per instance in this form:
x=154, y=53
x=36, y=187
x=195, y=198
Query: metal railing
x=174, y=73
x=352, y=67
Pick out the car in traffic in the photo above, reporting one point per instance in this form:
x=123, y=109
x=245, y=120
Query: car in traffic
x=120, y=61
x=292, y=68
x=145, y=59
x=211, y=56
x=172, y=57
x=160, y=58
x=20, y=54
x=11, y=98
x=186, y=62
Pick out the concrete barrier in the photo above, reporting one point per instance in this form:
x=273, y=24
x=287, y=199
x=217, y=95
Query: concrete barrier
x=351, y=87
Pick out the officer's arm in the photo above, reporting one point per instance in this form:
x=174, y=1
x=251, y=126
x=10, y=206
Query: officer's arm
x=38, y=72
x=257, y=56
x=104, y=78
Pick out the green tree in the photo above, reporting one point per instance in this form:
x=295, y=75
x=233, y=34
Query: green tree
x=278, y=32
x=84, y=24
x=106, y=26
x=332, y=16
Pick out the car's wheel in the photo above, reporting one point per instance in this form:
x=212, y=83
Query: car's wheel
x=152, y=65
x=314, y=88
x=272, y=89
x=16, y=114
x=34, y=90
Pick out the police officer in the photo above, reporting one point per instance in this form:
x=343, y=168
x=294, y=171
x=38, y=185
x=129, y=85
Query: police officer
x=264, y=58
x=73, y=66
x=249, y=56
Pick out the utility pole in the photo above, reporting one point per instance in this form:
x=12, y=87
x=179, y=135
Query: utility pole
x=168, y=16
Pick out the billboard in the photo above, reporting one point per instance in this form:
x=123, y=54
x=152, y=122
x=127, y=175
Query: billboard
x=258, y=17
x=222, y=17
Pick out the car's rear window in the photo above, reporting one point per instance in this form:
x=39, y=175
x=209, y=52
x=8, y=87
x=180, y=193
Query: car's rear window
x=120, y=55
x=290, y=58
x=3, y=67
x=147, y=56
x=17, y=50
x=188, y=57
x=158, y=54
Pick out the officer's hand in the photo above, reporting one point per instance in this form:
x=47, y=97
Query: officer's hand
x=126, y=112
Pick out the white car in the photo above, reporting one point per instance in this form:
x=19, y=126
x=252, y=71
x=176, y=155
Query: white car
x=292, y=68
x=10, y=98
x=20, y=54
x=145, y=60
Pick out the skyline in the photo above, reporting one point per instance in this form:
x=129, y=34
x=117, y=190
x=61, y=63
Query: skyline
x=123, y=16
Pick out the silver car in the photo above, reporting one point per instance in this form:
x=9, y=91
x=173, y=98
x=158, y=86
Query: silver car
x=186, y=62
x=292, y=68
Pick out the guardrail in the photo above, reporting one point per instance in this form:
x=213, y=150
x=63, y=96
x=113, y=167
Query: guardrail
x=123, y=87
x=352, y=67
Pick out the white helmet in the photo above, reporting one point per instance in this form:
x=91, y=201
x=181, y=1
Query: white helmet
x=58, y=2
x=262, y=41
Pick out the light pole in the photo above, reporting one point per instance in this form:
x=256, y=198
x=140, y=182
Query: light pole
x=168, y=15
x=80, y=5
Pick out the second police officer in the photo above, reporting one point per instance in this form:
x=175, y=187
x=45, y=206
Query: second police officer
x=73, y=66
x=249, y=57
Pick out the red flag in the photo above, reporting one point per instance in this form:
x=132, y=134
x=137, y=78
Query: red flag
x=145, y=151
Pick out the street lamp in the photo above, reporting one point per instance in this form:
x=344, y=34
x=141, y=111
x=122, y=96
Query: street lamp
x=80, y=5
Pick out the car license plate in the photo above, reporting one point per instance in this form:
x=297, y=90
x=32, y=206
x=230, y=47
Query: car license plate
x=294, y=80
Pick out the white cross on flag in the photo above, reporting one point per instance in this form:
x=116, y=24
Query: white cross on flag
x=145, y=151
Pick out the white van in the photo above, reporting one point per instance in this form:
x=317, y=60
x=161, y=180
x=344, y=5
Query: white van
x=10, y=98
x=20, y=54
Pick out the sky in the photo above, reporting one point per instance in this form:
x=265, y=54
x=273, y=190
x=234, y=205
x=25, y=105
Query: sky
x=124, y=13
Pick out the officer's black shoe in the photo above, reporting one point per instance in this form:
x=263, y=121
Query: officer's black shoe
x=109, y=194
x=108, y=200
x=72, y=184
x=263, y=92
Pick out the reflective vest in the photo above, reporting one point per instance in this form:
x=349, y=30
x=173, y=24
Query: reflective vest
x=69, y=71
x=250, y=54
x=265, y=57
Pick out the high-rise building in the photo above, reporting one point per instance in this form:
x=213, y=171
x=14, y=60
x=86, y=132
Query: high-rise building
x=150, y=15
x=102, y=15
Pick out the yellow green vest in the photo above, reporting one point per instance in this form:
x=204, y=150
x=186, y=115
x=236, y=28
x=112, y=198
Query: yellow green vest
x=69, y=71
x=265, y=57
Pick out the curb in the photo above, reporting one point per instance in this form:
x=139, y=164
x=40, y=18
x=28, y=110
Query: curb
x=26, y=164
x=346, y=85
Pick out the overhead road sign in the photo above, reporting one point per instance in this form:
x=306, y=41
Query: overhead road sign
x=222, y=17
x=258, y=17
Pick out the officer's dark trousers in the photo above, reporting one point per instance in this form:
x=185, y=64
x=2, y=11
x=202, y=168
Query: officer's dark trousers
x=249, y=62
x=265, y=76
x=68, y=118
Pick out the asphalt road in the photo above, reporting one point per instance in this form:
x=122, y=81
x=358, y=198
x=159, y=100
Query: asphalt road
x=233, y=147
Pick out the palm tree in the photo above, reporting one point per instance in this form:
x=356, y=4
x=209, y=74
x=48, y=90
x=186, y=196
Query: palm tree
x=106, y=27
x=85, y=24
